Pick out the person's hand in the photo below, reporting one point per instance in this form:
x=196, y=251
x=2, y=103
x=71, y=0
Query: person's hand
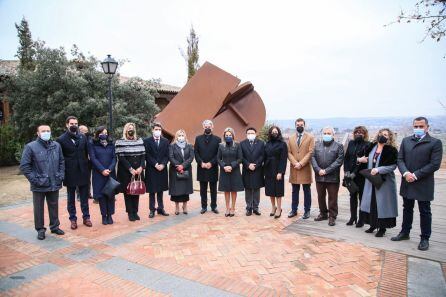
x=161, y=167
x=279, y=176
x=180, y=168
x=374, y=171
x=227, y=169
x=209, y=165
x=363, y=159
x=322, y=172
x=409, y=177
x=139, y=170
x=106, y=172
x=133, y=171
x=204, y=165
x=252, y=166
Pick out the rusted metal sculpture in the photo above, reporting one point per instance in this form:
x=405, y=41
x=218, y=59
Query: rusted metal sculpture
x=214, y=94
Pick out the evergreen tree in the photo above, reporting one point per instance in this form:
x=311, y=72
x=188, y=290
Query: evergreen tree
x=26, y=50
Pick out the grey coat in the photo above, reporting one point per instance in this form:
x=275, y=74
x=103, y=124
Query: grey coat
x=386, y=195
x=422, y=158
x=230, y=156
x=329, y=157
x=43, y=165
x=177, y=186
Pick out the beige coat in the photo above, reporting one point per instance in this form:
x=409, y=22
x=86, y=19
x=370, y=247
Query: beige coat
x=301, y=154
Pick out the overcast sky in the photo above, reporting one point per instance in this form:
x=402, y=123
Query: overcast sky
x=312, y=59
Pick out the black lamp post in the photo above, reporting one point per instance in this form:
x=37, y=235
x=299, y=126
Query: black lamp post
x=109, y=65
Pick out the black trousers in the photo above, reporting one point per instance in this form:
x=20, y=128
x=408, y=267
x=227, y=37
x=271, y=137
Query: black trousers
x=295, y=197
x=52, y=201
x=425, y=217
x=107, y=205
x=71, y=202
x=354, y=198
x=252, y=199
x=159, y=200
x=204, y=194
x=131, y=203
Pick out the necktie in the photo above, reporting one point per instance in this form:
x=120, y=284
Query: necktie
x=251, y=143
x=157, y=142
x=298, y=139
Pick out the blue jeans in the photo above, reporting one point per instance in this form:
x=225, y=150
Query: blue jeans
x=295, y=197
x=71, y=202
x=425, y=217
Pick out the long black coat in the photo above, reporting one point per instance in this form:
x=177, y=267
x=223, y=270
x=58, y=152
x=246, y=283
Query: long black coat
x=356, y=150
x=124, y=164
x=156, y=181
x=422, y=158
x=253, y=154
x=276, y=153
x=77, y=172
x=230, y=156
x=177, y=186
x=102, y=158
x=206, y=148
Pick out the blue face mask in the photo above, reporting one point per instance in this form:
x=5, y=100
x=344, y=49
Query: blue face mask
x=228, y=138
x=45, y=136
x=103, y=136
x=418, y=132
x=327, y=138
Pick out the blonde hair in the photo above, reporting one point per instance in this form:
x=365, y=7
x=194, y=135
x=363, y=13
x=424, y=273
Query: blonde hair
x=178, y=134
x=391, y=141
x=126, y=128
x=230, y=130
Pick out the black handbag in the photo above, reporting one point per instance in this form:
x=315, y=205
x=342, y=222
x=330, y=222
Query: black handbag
x=110, y=187
x=184, y=175
x=377, y=180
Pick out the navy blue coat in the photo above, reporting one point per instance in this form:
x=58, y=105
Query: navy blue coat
x=156, y=181
x=101, y=157
x=253, y=154
x=77, y=172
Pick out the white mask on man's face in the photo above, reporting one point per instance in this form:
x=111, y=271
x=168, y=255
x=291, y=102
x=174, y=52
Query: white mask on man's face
x=251, y=137
x=157, y=133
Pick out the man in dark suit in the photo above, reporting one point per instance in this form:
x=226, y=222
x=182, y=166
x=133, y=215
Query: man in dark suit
x=157, y=181
x=419, y=157
x=74, y=148
x=206, y=148
x=253, y=180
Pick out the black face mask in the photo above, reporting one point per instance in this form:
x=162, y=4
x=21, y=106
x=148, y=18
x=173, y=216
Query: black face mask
x=300, y=129
x=382, y=139
x=207, y=131
x=73, y=129
x=131, y=132
x=359, y=138
x=274, y=136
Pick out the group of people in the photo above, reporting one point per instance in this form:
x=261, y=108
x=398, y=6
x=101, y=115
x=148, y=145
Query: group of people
x=167, y=166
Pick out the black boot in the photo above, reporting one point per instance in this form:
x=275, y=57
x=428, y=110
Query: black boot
x=131, y=217
x=104, y=220
x=380, y=232
x=351, y=221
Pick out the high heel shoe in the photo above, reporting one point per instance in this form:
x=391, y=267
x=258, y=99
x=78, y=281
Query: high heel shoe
x=370, y=230
x=380, y=232
x=352, y=221
x=273, y=213
x=278, y=216
x=359, y=224
x=177, y=212
x=231, y=213
x=184, y=211
x=227, y=213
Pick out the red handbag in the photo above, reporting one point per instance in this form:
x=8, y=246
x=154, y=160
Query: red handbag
x=136, y=186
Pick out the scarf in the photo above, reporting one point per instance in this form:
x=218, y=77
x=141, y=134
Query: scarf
x=181, y=145
x=125, y=147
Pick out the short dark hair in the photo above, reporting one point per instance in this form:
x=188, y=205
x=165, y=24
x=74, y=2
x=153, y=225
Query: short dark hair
x=251, y=128
x=99, y=131
x=421, y=119
x=41, y=126
x=154, y=125
x=300, y=120
x=70, y=118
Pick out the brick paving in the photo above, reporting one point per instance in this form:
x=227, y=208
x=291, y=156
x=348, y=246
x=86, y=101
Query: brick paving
x=185, y=254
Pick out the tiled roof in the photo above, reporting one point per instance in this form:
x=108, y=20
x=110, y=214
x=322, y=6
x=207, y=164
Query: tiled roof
x=8, y=67
x=162, y=88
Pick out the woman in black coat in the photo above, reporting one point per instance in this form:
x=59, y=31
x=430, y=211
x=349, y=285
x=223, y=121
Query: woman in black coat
x=131, y=162
x=181, y=155
x=276, y=153
x=229, y=158
x=102, y=156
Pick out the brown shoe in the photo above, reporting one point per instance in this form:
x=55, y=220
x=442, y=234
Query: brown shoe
x=321, y=218
x=73, y=225
x=331, y=221
x=88, y=223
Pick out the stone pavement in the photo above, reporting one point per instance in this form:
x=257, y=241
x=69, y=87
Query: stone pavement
x=210, y=255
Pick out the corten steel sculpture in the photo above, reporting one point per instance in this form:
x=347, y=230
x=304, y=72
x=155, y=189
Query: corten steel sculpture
x=213, y=94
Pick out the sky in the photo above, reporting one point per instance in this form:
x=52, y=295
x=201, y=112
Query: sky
x=310, y=59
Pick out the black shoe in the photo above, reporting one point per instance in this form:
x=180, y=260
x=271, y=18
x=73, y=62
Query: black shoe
x=131, y=217
x=136, y=216
x=177, y=212
x=96, y=201
x=424, y=245
x=400, y=236
x=380, y=232
x=359, y=224
x=215, y=211
x=352, y=221
x=320, y=218
x=271, y=214
x=163, y=213
x=256, y=212
x=151, y=214
x=292, y=214
x=203, y=210
x=306, y=215
x=104, y=220
x=110, y=220
x=278, y=216
x=370, y=230
x=331, y=221
x=41, y=234
x=58, y=231
x=248, y=213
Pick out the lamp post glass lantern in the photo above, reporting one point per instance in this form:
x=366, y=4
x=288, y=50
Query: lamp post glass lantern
x=109, y=66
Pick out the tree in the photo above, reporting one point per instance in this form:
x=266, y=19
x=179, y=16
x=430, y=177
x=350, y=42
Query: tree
x=25, y=51
x=430, y=12
x=191, y=56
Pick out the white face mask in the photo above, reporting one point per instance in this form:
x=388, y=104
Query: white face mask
x=180, y=139
x=251, y=137
x=157, y=133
